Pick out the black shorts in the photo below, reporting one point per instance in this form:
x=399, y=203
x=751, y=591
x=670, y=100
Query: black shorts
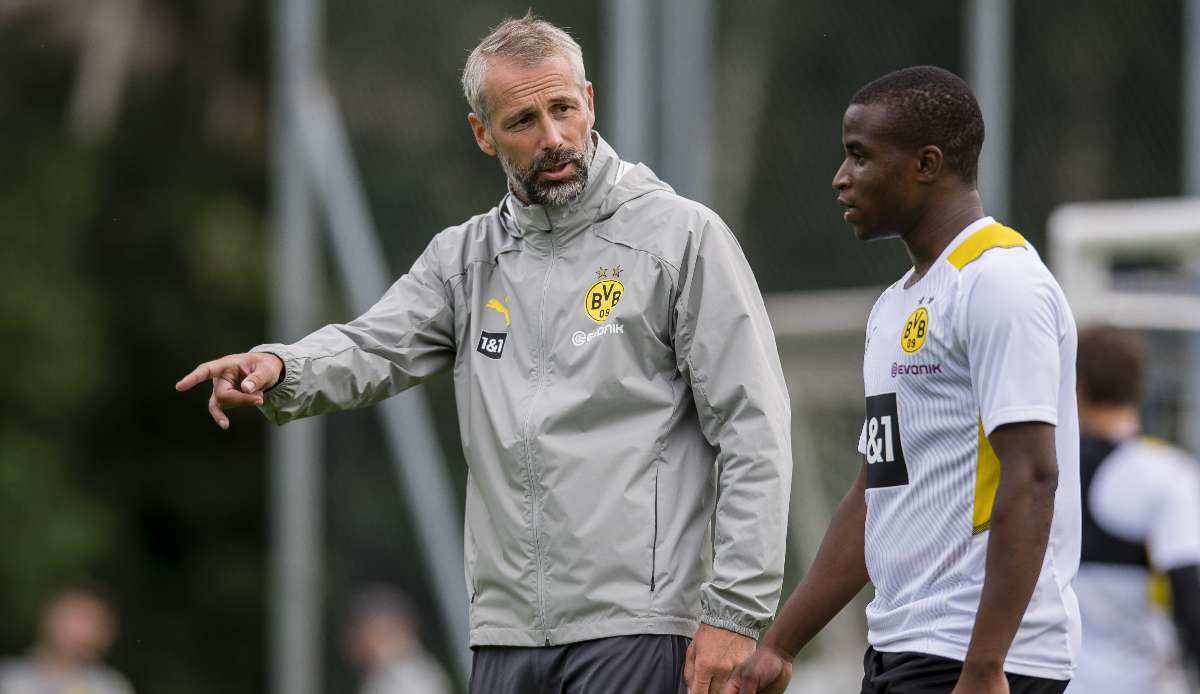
x=646, y=664
x=918, y=673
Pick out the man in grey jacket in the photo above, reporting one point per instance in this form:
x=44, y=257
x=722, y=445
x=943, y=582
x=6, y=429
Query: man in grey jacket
x=618, y=390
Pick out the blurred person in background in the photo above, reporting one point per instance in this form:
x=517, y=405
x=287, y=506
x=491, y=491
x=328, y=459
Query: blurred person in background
x=1141, y=531
x=382, y=641
x=619, y=392
x=78, y=625
x=965, y=513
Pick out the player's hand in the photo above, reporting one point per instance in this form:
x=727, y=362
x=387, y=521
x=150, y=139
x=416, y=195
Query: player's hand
x=711, y=658
x=238, y=381
x=766, y=672
x=992, y=682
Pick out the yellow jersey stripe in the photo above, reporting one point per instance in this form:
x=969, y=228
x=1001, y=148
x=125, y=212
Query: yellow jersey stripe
x=987, y=238
x=1159, y=588
x=987, y=481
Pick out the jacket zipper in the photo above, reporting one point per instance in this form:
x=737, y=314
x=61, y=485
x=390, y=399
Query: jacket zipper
x=541, y=374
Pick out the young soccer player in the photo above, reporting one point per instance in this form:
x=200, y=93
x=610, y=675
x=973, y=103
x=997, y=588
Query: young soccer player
x=965, y=514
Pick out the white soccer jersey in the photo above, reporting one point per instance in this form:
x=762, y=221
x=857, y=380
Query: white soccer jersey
x=1145, y=494
x=985, y=338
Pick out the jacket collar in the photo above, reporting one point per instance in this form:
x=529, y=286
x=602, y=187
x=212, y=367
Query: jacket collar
x=568, y=220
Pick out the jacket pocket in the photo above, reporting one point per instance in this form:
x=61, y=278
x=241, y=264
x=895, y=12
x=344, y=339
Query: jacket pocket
x=654, y=538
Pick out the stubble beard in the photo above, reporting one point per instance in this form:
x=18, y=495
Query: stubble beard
x=530, y=185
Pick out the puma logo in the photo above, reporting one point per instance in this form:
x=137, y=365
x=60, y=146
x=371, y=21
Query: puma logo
x=500, y=308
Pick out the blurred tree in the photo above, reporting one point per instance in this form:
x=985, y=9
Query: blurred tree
x=129, y=252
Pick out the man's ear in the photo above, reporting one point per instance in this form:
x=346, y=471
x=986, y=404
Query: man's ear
x=591, y=105
x=929, y=163
x=481, y=135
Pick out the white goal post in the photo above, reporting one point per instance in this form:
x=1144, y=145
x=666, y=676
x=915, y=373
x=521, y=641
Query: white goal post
x=1087, y=239
x=1136, y=264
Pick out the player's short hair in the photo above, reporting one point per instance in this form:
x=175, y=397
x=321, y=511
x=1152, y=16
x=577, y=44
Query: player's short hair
x=1111, y=365
x=380, y=601
x=527, y=41
x=927, y=105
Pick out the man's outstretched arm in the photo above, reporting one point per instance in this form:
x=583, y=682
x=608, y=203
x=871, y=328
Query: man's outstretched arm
x=837, y=574
x=406, y=338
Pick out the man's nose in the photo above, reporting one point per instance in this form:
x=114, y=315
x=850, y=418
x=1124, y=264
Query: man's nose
x=841, y=180
x=551, y=138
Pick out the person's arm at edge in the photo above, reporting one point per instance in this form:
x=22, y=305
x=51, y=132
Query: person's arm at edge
x=1185, y=608
x=1173, y=543
x=1019, y=533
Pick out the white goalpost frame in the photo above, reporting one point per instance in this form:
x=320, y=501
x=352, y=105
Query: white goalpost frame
x=1086, y=238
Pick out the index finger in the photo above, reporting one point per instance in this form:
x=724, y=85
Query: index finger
x=204, y=372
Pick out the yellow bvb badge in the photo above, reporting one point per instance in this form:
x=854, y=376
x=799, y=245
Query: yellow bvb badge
x=915, y=330
x=602, y=297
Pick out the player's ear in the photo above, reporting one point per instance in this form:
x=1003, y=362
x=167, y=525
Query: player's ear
x=929, y=163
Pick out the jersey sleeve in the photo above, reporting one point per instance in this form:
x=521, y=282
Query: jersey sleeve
x=1173, y=538
x=1013, y=328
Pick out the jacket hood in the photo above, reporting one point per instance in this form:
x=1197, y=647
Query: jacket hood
x=611, y=183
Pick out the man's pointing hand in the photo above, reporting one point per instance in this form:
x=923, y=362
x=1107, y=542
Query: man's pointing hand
x=238, y=381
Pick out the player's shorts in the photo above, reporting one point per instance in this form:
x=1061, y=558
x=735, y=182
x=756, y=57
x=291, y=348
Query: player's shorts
x=646, y=664
x=919, y=673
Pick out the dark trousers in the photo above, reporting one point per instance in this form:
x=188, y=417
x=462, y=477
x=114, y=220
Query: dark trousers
x=918, y=673
x=646, y=664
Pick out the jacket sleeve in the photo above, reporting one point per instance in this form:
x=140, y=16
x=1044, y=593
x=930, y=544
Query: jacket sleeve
x=406, y=338
x=725, y=348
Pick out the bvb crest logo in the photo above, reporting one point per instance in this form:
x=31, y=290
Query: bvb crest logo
x=915, y=330
x=602, y=297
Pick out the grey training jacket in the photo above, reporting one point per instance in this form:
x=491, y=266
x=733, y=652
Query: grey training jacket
x=617, y=384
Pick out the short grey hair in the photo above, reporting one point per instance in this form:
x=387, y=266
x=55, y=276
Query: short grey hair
x=528, y=41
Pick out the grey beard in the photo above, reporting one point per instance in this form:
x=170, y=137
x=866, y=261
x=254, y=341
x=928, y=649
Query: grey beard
x=550, y=193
